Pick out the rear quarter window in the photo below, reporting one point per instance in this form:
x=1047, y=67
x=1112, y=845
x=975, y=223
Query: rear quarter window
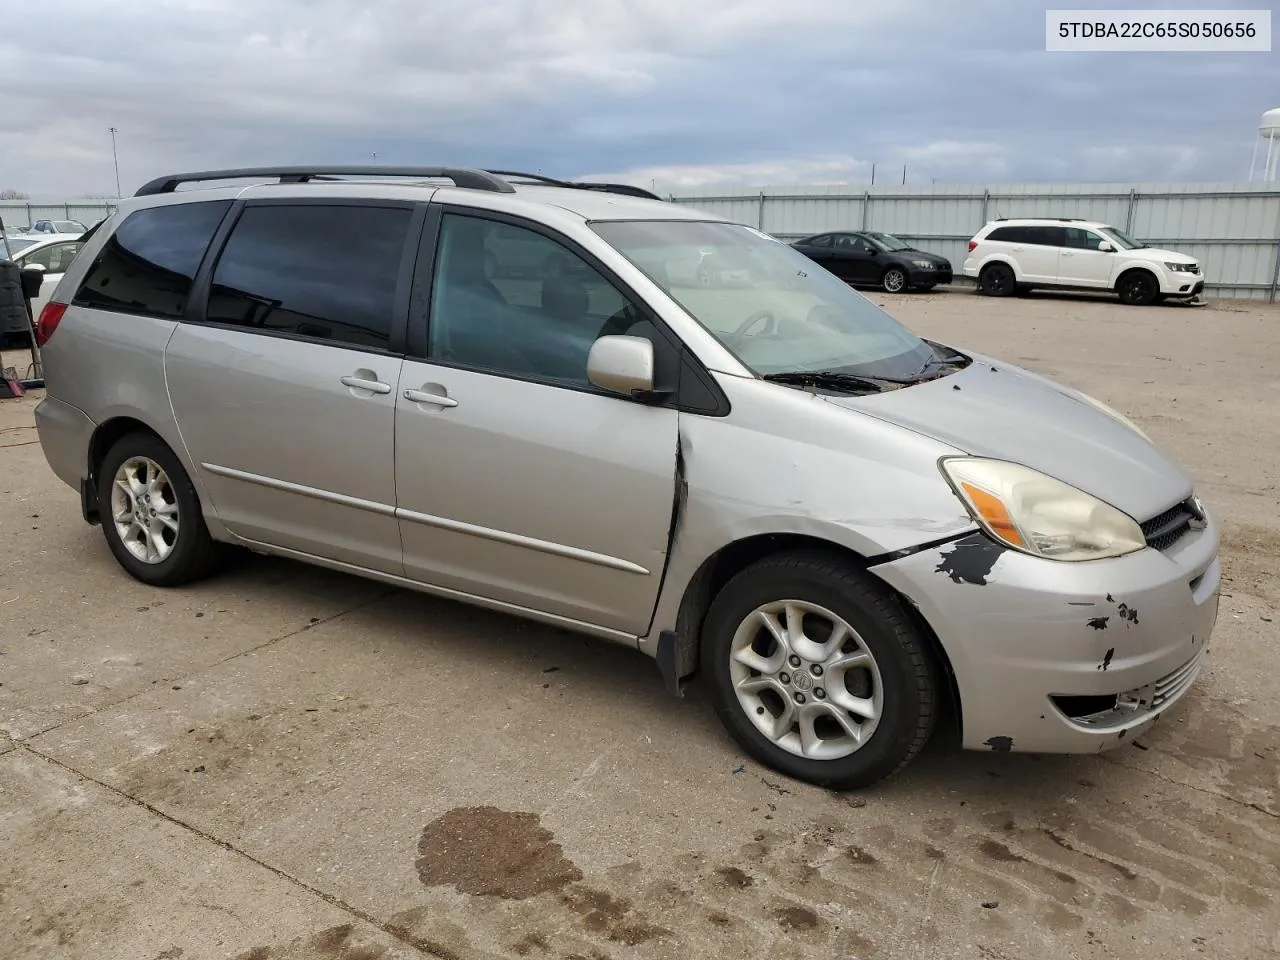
x=147, y=266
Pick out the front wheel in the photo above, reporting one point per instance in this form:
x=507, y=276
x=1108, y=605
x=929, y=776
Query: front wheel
x=818, y=672
x=151, y=515
x=894, y=280
x=1138, y=288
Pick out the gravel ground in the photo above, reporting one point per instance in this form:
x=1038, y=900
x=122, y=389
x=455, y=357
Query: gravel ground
x=289, y=763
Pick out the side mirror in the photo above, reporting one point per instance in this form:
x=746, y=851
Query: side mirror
x=32, y=280
x=1105, y=246
x=621, y=365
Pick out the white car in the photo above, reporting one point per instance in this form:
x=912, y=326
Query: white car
x=51, y=253
x=1007, y=256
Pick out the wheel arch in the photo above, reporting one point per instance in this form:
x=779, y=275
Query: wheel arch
x=1137, y=268
x=678, y=650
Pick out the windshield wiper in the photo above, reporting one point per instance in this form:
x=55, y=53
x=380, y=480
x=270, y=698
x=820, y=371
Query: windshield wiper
x=833, y=380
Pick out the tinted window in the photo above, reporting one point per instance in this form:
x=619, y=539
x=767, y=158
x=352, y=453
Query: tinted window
x=1007, y=234
x=1046, y=236
x=323, y=272
x=822, y=241
x=1081, y=239
x=148, y=264
x=514, y=301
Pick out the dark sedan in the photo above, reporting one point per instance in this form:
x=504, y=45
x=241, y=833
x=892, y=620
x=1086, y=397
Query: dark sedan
x=869, y=257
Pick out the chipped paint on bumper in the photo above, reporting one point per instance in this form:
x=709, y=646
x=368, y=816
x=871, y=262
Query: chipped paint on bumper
x=1020, y=631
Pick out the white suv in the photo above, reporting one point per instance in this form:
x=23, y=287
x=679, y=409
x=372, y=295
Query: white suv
x=1007, y=256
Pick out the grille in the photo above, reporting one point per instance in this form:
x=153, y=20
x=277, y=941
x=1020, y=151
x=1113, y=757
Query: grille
x=1163, y=531
x=1170, y=687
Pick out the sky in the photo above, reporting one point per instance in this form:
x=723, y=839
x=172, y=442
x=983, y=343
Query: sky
x=665, y=93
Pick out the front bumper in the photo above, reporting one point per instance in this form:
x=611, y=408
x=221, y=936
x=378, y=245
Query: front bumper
x=929, y=278
x=1181, y=284
x=1053, y=657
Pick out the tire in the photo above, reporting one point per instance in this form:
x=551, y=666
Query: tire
x=1137, y=288
x=894, y=280
x=997, y=280
x=189, y=553
x=902, y=673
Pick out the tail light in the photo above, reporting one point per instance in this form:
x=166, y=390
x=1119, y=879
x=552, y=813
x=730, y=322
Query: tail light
x=972, y=244
x=50, y=317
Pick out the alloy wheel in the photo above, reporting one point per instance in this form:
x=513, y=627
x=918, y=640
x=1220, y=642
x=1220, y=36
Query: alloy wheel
x=806, y=679
x=144, y=509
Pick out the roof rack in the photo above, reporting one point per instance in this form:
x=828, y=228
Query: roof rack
x=465, y=177
x=619, y=188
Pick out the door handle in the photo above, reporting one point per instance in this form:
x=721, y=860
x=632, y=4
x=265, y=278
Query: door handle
x=421, y=396
x=359, y=383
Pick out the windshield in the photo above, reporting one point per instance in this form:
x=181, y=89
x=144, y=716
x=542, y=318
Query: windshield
x=15, y=245
x=888, y=242
x=769, y=304
x=1126, y=242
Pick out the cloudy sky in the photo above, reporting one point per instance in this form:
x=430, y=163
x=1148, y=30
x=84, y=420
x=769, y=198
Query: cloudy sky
x=711, y=93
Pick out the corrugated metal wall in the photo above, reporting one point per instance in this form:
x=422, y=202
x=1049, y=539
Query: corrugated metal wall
x=1233, y=229
x=20, y=213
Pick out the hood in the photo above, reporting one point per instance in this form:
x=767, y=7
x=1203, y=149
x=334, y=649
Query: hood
x=990, y=409
x=1159, y=254
x=918, y=255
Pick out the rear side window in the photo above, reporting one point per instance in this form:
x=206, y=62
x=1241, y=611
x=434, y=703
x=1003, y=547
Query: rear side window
x=1008, y=234
x=321, y=272
x=148, y=264
x=1047, y=236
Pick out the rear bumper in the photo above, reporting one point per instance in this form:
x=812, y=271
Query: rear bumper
x=1056, y=657
x=65, y=432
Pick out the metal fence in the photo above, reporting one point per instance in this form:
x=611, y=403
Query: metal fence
x=1232, y=229
x=22, y=213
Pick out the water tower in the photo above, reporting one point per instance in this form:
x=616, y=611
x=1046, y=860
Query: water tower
x=1268, y=130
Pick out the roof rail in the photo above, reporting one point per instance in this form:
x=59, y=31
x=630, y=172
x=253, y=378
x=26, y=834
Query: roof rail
x=619, y=188
x=465, y=177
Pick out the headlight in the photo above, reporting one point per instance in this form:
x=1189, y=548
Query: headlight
x=924, y=264
x=1181, y=267
x=1113, y=414
x=1039, y=515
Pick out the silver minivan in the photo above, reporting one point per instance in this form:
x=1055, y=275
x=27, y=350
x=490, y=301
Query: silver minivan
x=842, y=528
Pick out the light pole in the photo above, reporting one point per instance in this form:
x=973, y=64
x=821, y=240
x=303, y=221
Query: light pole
x=115, y=159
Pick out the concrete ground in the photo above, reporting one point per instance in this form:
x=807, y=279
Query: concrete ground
x=287, y=763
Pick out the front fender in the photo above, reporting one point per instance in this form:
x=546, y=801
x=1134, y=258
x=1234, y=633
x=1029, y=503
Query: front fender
x=790, y=462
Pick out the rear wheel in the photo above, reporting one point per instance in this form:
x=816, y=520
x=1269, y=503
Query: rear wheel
x=151, y=514
x=818, y=672
x=894, y=280
x=1137, y=288
x=997, y=280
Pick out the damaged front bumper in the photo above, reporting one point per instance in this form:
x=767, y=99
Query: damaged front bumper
x=1054, y=657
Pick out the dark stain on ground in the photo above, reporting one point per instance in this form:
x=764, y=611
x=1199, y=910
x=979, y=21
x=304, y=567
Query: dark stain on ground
x=1000, y=744
x=1066, y=844
x=733, y=877
x=171, y=954
x=1106, y=659
x=1098, y=623
x=862, y=857
x=530, y=942
x=604, y=913
x=933, y=853
x=334, y=943
x=970, y=560
x=994, y=850
x=402, y=925
x=796, y=917
x=485, y=851
x=719, y=918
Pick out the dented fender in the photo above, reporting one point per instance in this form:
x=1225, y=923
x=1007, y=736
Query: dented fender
x=789, y=462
